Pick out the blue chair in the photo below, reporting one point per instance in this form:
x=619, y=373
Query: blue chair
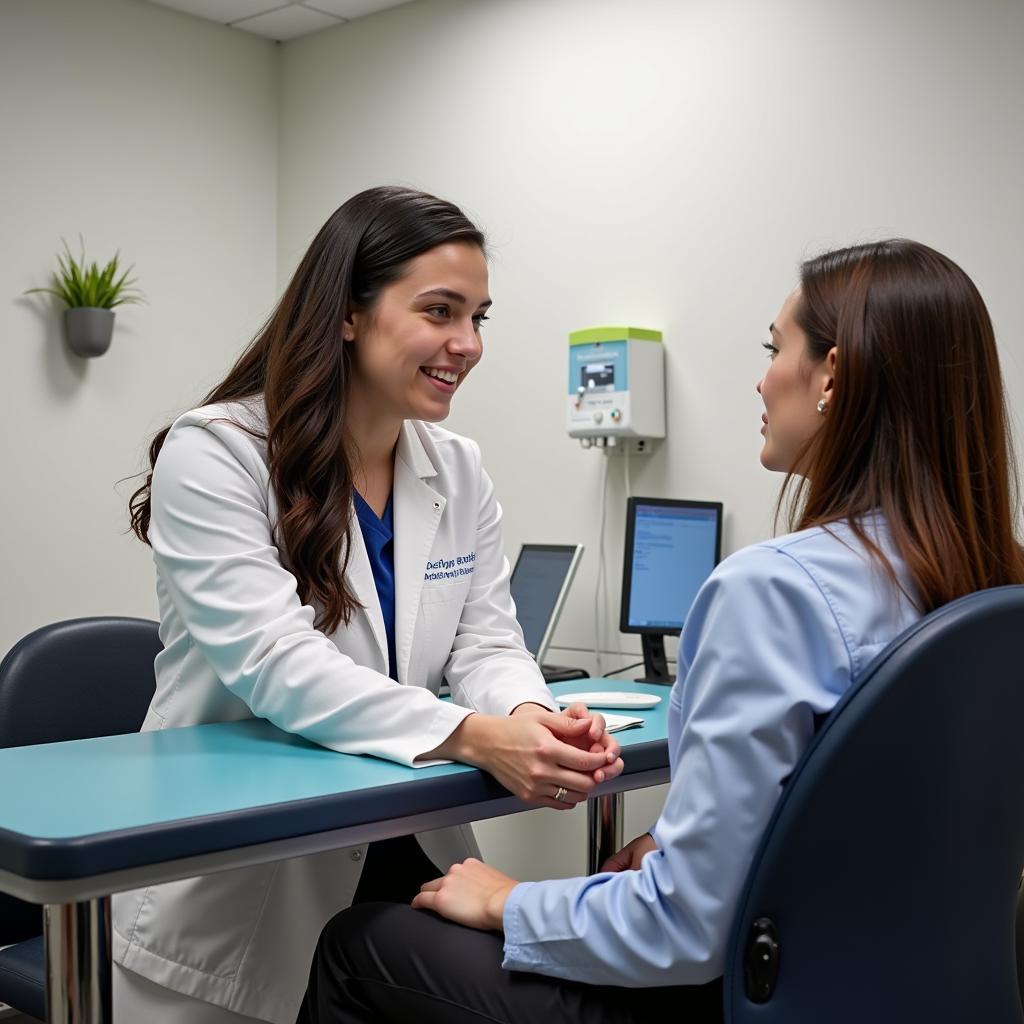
x=67, y=681
x=885, y=887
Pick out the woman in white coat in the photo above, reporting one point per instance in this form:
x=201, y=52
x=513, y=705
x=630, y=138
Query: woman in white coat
x=326, y=556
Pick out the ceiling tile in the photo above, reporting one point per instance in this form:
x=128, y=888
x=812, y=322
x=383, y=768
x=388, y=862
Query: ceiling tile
x=223, y=11
x=287, y=23
x=351, y=8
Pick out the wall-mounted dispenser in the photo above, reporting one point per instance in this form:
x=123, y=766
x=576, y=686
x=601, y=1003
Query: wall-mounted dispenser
x=616, y=385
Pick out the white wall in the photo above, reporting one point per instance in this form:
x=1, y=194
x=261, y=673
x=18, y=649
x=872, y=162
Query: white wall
x=155, y=133
x=665, y=164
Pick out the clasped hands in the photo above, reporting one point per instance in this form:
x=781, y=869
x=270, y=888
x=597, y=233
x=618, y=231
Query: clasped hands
x=543, y=757
x=555, y=760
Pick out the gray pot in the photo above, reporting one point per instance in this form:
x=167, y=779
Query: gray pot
x=89, y=330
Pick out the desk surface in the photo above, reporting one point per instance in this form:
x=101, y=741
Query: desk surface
x=91, y=807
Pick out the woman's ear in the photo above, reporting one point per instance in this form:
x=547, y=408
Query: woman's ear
x=348, y=329
x=830, y=372
x=356, y=323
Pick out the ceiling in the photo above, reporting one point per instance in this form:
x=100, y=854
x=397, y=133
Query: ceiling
x=279, y=19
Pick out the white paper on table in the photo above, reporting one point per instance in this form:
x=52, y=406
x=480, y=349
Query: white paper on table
x=616, y=723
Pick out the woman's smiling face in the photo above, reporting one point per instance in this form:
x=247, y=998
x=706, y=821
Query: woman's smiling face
x=415, y=345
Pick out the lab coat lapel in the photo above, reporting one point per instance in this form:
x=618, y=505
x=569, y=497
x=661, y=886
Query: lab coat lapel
x=360, y=579
x=418, y=509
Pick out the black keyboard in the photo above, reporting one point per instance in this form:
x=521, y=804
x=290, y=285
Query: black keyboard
x=560, y=673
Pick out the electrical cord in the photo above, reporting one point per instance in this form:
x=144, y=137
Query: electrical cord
x=626, y=668
x=623, y=668
x=599, y=589
x=590, y=650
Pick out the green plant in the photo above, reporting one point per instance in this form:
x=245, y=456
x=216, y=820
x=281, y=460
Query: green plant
x=79, y=284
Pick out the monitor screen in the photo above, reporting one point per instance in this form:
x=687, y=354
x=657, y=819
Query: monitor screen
x=541, y=573
x=671, y=548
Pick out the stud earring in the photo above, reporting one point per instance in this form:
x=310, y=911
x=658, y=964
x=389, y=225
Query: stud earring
x=822, y=406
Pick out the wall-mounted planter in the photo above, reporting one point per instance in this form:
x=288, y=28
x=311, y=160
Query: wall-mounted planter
x=89, y=330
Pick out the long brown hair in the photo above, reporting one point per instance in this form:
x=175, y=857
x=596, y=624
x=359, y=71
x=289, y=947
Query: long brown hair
x=917, y=425
x=298, y=363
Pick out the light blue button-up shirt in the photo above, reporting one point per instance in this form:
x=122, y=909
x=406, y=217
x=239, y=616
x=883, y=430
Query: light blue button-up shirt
x=773, y=639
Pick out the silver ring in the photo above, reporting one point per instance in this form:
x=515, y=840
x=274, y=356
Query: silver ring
x=560, y=794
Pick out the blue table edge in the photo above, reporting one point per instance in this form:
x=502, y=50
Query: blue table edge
x=83, y=856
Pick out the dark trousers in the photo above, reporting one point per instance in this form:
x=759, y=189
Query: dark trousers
x=381, y=962
x=393, y=871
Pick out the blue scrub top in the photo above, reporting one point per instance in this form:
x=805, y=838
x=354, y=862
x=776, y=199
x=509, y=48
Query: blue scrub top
x=378, y=536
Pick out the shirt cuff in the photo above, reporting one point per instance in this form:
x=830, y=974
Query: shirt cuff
x=447, y=719
x=541, y=697
x=511, y=926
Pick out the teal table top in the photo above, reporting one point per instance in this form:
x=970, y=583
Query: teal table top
x=88, y=806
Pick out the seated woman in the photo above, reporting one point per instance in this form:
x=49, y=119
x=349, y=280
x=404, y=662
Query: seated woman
x=884, y=406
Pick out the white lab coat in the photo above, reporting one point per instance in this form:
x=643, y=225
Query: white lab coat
x=239, y=643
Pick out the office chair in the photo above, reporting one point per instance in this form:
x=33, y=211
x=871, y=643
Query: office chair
x=66, y=681
x=885, y=887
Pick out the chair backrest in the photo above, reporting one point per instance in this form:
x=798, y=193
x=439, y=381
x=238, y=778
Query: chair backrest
x=76, y=679
x=887, y=878
x=67, y=681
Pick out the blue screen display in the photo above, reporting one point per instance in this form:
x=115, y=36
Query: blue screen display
x=673, y=554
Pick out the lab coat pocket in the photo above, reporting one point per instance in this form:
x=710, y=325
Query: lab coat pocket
x=441, y=612
x=200, y=923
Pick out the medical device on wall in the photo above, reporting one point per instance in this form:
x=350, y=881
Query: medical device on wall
x=616, y=385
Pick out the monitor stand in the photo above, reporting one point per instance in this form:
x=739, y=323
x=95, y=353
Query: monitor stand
x=655, y=662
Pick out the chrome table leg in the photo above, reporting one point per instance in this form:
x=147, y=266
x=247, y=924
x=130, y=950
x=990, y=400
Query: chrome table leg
x=77, y=942
x=604, y=829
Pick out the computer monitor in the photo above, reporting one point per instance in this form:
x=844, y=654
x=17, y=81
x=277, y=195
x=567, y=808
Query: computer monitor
x=671, y=548
x=540, y=582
